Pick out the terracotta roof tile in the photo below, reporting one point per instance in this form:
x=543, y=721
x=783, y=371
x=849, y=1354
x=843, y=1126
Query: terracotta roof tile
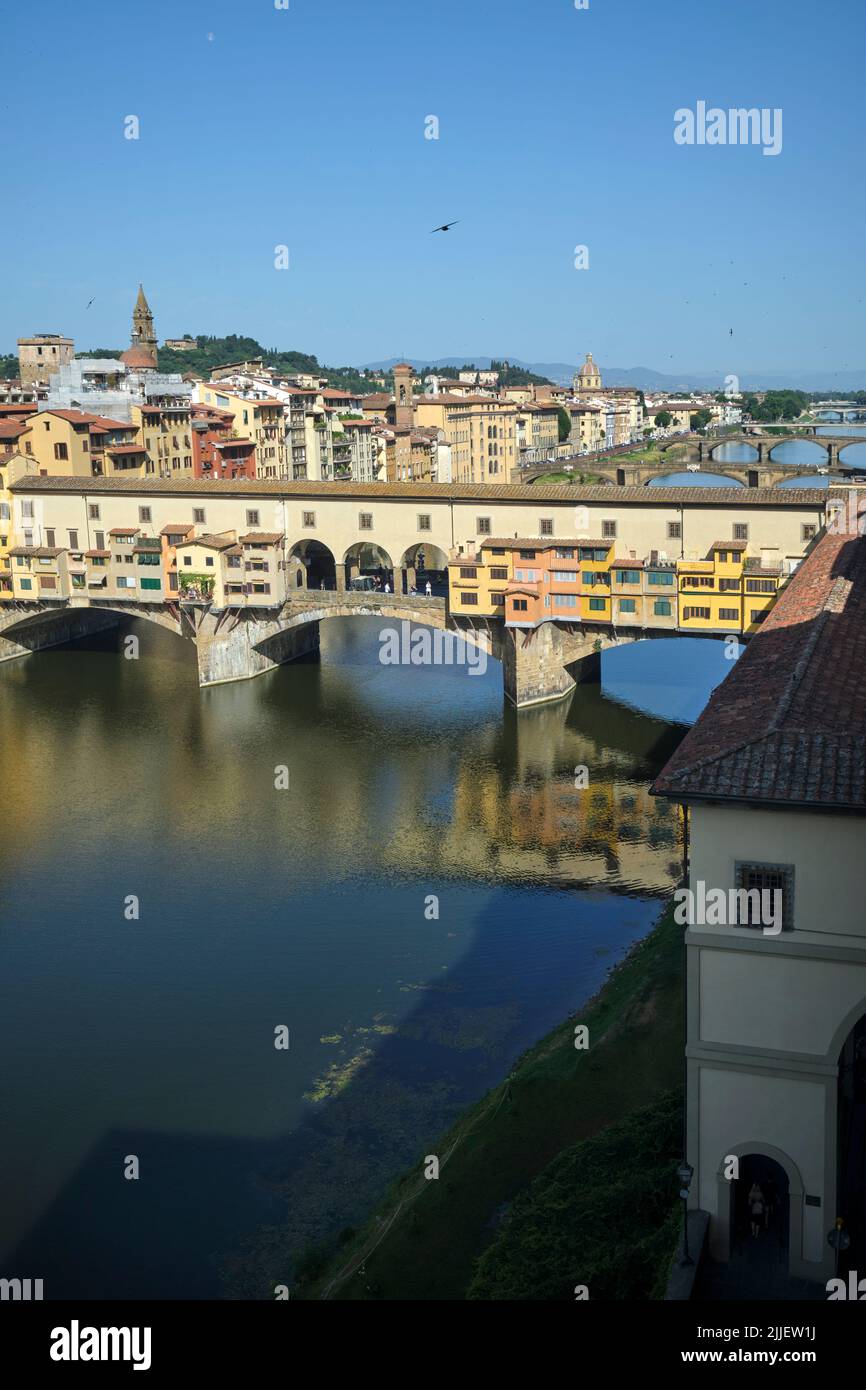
x=788, y=725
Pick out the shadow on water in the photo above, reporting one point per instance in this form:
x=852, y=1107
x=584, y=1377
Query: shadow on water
x=308, y=910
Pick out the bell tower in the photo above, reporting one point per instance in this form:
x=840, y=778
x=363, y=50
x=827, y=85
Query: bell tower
x=143, y=335
x=404, y=410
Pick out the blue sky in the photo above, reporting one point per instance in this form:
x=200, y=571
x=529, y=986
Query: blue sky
x=305, y=127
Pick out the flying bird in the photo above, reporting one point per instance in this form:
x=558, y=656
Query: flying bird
x=445, y=226
x=89, y=302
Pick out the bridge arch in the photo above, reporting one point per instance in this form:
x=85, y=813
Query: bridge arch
x=367, y=558
x=424, y=563
x=311, y=566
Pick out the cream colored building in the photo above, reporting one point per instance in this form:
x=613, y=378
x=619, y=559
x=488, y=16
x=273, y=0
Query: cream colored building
x=665, y=523
x=773, y=776
x=482, y=432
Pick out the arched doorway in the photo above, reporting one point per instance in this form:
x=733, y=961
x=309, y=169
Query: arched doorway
x=762, y=1237
x=851, y=1145
x=314, y=566
x=423, y=564
x=363, y=559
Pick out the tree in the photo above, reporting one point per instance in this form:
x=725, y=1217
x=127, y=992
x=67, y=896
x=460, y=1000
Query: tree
x=663, y=419
x=564, y=423
x=700, y=419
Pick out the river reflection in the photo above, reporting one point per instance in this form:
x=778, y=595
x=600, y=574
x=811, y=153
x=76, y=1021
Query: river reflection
x=308, y=908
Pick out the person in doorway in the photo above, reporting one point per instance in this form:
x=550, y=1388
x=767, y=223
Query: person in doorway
x=428, y=589
x=387, y=587
x=757, y=1208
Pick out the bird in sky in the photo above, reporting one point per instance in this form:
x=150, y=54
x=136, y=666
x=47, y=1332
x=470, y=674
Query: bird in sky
x=89, y=302
x=445, y=226
x=731, y=332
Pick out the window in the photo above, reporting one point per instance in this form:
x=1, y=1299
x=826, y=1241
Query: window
x=187, y=559
x=758, y=615
x=48, y=581
x=527, y=554
x=753, y=586
x=365, y=521
x=729, y=615
x=208, y=559
x=144, y=514
x=698, y=581
x=49, y=536
x=497, y=572
x=565, y=600
x=93, y=511
x=99, y=540
x=608, y=530
x=741, y=531
x=526, y=576
x=73, y=540
x=695, y=613
x=545, y=527
x=151, y=584
x=308, y=519
x=252, y=518
x=675, y=530
x=469, y=600
x=564, y=576
x=424, y=521
x=729, y=586
x=520, y=605
x=627, y=605
x=482, y=525
x=663, y=577
x=564, y=553
x=596, y=605
x=124, y=581
x=61, y=451
x=470, y=572
x=27, y=511
x=588, y=554
x=497, y=598
x=765, y=878
x=662, y=607
x=808, y=532
x=628, y=576
x=26, y=583
x=198, y=515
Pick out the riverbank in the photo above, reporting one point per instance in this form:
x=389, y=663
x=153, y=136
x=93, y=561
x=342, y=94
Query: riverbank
x=425, y=1238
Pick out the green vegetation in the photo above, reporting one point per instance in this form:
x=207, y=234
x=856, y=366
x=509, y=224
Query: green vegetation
x=663, y=419
x=700, y=419
x=8, y=367
x=515, y=1150
x=604, y=1214
x=776, y=405
x=564, y=423
x=583, y=478
x=508, y=376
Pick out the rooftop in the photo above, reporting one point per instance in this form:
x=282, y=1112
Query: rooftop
x=788, y=725
x=741, y=498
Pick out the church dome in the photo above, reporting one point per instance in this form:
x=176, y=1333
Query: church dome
x=589, y=368
x=138, y=357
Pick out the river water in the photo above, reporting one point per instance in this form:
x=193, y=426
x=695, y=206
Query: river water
x=148, y=1043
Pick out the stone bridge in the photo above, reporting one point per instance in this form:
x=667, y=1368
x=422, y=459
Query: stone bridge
x=539, y=664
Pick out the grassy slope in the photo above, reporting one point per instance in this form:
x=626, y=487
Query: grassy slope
x=556, y=1097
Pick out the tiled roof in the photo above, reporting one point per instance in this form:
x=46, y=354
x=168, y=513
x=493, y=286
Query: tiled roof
x=743, y=498
x=210, y=542
x=261, y=538
x=788, y=725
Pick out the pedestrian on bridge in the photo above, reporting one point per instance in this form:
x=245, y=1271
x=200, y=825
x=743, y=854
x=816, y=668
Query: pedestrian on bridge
x=428, y=589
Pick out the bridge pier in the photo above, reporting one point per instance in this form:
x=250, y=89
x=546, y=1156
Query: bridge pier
x=547, y=662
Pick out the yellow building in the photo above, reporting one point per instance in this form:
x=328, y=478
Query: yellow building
x=477, y=581
x=537, y=429
x=39, y=573
x=259, y=418
x=165, y=436
x=727, y=592
x=482, y=432
x=12, y=467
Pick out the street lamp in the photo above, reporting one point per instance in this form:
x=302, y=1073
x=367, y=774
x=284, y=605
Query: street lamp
x=685, y=1173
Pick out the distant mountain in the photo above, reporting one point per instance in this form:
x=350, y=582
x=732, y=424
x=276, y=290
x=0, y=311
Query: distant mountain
x=647, y=379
